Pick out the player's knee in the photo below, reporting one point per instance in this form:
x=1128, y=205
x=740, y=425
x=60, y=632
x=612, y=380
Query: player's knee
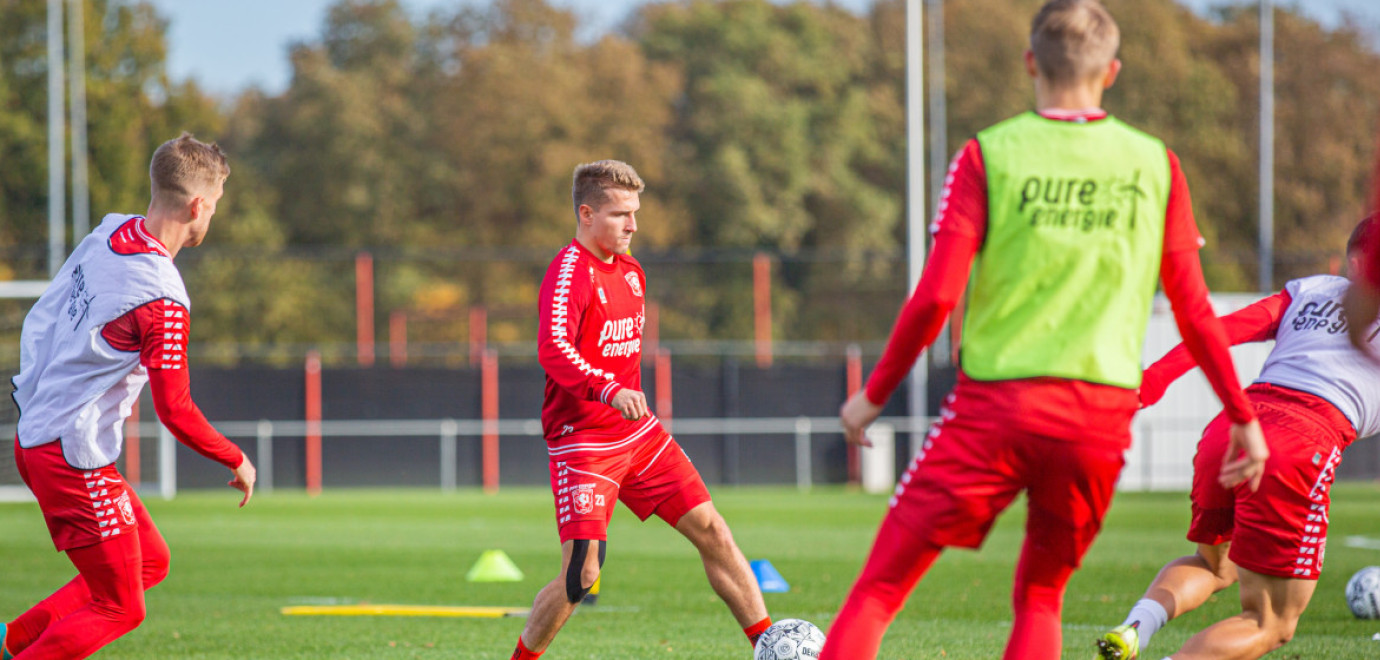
x=135, y=614
x=1284, y=631
x=713, y=535
x=124, y=614
x=155, y=568
x=580, y=574
x=1222, y=568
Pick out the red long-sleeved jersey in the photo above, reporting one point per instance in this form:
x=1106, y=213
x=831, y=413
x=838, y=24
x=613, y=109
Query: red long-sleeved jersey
x=590, y=344
x=158, y=330
x=1053, y=404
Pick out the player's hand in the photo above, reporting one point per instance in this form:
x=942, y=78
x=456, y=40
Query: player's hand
x=1362, y=306
x=1246, y=456
x=631, y=403
x=1151, y=389
x=855, y=415
x=245, y=476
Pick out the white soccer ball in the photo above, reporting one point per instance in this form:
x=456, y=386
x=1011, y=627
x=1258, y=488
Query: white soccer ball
x=789, y=639
x=1363, y=593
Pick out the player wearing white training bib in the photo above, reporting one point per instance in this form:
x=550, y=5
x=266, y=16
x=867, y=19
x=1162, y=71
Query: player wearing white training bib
x=1312, y=354
x=73, y=386
x=1314, y=396
x=114, y=318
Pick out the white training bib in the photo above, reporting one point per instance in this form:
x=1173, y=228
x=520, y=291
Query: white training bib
x=72, y=385
x=1313, y=354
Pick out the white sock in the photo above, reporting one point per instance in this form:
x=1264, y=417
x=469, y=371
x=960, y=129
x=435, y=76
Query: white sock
x=1151, y=616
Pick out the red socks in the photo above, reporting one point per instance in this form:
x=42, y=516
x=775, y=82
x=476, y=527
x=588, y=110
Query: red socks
x=524, y=653
x=755, y=630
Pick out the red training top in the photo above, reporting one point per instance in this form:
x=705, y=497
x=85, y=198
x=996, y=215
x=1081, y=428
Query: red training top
x=1054, y=405
x=159, y=331
x=1258, y=321
x=590, y=344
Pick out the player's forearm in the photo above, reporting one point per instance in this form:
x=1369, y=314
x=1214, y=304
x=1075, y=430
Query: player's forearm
x=172, y=401
x=573, y=373
x=1255, y=322
x=1202, y=332
x=922, y=318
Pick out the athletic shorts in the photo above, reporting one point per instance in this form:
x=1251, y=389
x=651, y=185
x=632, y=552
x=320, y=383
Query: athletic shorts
x=655, y=477
x=1280, y=529
x=81, y=507
x=975, y=461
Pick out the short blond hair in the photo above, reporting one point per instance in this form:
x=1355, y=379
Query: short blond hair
x=185, y=167
x=1073, y=40
x=591, y=180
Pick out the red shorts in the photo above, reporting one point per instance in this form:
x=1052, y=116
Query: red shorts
x=1280, y=529
x=81, y=507
x=654, y=477
x=975, y=461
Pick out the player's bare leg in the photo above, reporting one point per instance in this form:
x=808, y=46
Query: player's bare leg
x=552, y=606
x=1270, y=611
x=1186, y=583
x=1181, y=586
x=728, y=571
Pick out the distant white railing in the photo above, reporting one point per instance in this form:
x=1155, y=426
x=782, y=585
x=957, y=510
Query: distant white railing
x=1160, y=458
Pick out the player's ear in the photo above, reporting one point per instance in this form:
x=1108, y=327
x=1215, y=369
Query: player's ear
x=195, y=207
x=1031, y=69
x=1109, y=78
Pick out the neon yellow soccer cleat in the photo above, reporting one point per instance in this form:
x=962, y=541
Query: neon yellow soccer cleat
x=1119, y=643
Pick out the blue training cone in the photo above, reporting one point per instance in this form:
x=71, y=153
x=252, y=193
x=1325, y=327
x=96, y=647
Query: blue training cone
x=769, y=579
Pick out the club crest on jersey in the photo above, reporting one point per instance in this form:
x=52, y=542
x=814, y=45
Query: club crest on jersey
x=126, y=509
x=634, y=284
x=583, y=499
x=602, y=298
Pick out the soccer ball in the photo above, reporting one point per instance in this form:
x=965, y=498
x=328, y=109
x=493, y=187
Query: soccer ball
x=1363, y=593
x=789, y=639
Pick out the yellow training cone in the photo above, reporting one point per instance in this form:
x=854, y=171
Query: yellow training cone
x=494, y=566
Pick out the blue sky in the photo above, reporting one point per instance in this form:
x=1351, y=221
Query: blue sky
x=230, y=45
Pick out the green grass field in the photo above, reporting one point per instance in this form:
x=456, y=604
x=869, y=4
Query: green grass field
x=233, y=569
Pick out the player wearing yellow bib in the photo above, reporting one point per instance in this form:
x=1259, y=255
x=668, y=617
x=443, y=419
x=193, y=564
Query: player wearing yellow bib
x=1072, y=216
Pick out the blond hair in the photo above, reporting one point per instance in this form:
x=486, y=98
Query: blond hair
x=591, y=180
x=185, y=167
x=1073, y=40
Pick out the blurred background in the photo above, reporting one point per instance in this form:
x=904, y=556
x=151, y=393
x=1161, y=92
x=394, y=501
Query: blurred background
x=401, y=176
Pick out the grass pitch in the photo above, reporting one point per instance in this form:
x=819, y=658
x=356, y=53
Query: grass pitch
x=233, y=570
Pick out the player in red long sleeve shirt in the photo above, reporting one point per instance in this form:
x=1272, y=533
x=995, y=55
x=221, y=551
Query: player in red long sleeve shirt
x=605, y=445
x=1363, y=300
x=1314, y=396
x=115, y=316
x=1055, y=206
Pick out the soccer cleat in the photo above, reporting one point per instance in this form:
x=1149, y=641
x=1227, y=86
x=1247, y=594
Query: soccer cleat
x=1119, y=643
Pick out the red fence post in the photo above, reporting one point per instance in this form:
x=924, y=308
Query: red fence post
x=854, y=383
x=364, y=308
x=313, y=419
x=761, y=307
x=479, y=333
x=397, y=338
x=489, y=405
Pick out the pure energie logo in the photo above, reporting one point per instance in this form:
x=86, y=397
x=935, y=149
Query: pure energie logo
x=621, y=337
x=1083, y=204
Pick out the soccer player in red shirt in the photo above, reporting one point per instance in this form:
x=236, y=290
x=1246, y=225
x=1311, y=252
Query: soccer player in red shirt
x=116, y=316
x=1363, y=300
x=1314, y=396
x=1072, y=217
x=604, y=443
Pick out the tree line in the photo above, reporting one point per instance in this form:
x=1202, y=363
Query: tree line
x=443, y=144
